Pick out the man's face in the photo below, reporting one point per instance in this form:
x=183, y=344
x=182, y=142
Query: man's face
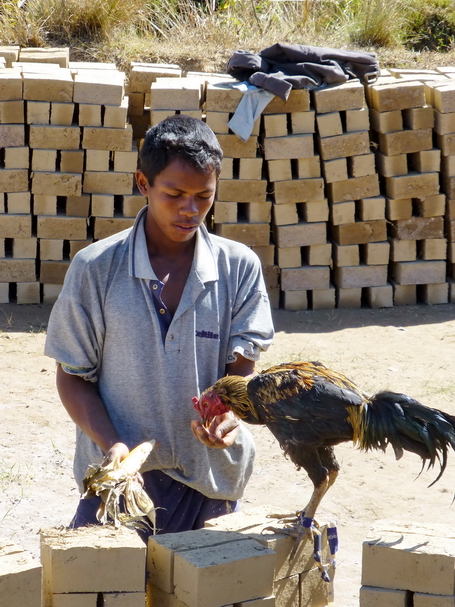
x=178, y=201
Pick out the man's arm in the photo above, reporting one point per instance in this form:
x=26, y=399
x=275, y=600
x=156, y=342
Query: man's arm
x=85, y=407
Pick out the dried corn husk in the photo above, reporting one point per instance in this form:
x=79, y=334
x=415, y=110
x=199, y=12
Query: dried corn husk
x=119, y=478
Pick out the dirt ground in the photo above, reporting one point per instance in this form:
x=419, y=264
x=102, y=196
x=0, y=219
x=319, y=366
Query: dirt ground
x=406, y=349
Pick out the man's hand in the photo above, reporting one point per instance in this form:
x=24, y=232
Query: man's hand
x=220, y=435
x=119, y=450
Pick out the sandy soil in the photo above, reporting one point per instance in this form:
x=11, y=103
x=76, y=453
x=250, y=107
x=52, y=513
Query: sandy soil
x=408, y=349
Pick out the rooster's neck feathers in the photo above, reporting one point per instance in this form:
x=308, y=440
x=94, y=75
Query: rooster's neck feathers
x=233, y=392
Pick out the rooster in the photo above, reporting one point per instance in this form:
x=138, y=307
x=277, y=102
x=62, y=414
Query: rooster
x=310, y=408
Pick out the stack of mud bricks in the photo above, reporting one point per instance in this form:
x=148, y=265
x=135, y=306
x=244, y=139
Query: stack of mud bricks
x=67, y=166
x=242, y=210
x=407, y=564
x=357, y=220
x=441, y=94
x=231, y=563
x=299, y=208
x=20, y=577
x=409, y=167
x=92, y=567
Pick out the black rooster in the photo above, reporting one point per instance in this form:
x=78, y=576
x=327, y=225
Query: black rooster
x=310, y=408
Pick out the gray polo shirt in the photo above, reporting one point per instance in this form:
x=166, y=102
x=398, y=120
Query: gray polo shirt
x=105, y=327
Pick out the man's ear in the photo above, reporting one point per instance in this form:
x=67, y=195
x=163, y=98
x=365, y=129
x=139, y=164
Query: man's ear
x=142, y=182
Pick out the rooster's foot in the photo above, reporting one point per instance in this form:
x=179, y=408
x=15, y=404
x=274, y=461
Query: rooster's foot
x=287, y=518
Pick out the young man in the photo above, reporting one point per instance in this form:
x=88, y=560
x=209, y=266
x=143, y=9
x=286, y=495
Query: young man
x=149, y=318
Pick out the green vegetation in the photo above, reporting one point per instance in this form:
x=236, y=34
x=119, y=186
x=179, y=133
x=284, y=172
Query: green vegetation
x=202, y=34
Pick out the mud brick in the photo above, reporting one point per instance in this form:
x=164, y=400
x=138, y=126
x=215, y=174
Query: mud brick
x=346, y=255
x=434, y=294
x=444, y=98
x=305, y=278
x=444, y=123
x=375, y=253
x=157, y=116
x=360, y=232
x=298, y=101
x=340, y=146
x=348, y=298
x=404, y=295
x=391, y=166
x=414, y=185
x=369, y=209
x=258, y=212
x=349, y=277
x=301, y=235
x=314, y=211
x=97, y=160
x=418, y=228
x=44, y=160
x=57, y=86
x=250, y=168
x=90, y=114
x=428, y=161
x=102, y=205
x=308, y=168
x=18, y=202
x=450, y=230
x=399, y=96
x=225, y=212
x=28, y=293
x=233, y=147
x=61, y=228
x=450, y=209
x=347, y=96
x=403, y=250
x=432, y=600
x=20, y=574
x=12, y=135
x=446, y=143
x=106, y=226
x=335, y=170
x=275, y=125
x=44, y=204
x=51, y=293
x=398, y=209
x=241, y=190
x=75, y=599
x=98, y=87
x=448, y=186
x=99, y=182
x=357, y=120
x=17, y=270
x=448, y=166
x=218, y=122
x=314, y=592
x=78, y=206
x=103, y=138
x=293, y=146
x=289, y=257
x=254, y=234
x=343, y=212
x=227, y=168
x=419, y=118
x=55, y=137
x=221, y=97
x=57, y=184
x=115, y=116
x=53, y=272
x=353, y=189
x=266, y=254
x=295, y=300
x=62, y=113
x=72, y=161
x=156, y=596
x=285, y=214
x=433, y=248
x=124, y=599
x=433, y=206
x=38, y=112
x=287, y=591
x=126, y=161
x=24, y=248
x=386, y=122
x=17, y=158
x=180, y=94
x=78, y=245
x=142, y=76
x=303, y=122
x=265, y=602
x=318, y=254
x=12, y=112
x=136, y=102
x=382, y=597
x=329, y=124
x=418, y=272
x=51, y=249
x=360, y=166
x=13, y=180
x=10, y=54
x=298, y=190
x=4, y=298
x=379, y=297
x=10, y=86
x=59, y=56
x=405, y=142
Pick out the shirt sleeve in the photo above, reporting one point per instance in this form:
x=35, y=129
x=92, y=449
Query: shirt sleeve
x=75, y=332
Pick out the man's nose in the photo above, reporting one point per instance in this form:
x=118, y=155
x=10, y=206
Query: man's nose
x=190, y=207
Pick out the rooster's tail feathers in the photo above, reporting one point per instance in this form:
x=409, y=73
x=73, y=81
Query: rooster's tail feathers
x=398, y=420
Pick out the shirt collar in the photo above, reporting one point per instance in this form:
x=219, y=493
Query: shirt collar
x=204, y=264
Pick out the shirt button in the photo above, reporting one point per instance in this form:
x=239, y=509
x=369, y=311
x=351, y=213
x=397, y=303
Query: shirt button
x=162, y=311
x=171, y=338
x=154, y=286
